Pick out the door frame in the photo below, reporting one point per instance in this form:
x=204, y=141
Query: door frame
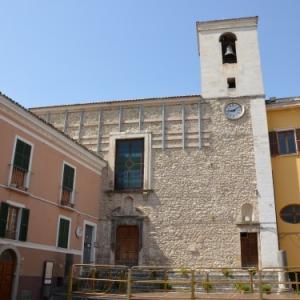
x=257, y=245
x=137, y=241
x=117, y=221
x=93, y=250
x=16, y=276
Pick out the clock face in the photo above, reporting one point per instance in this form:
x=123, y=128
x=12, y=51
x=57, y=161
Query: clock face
x=234, y=111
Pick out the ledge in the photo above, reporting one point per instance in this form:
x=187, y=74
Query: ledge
x=248, y=224
x=67, y=207
x=15, y=189
x=143, y=192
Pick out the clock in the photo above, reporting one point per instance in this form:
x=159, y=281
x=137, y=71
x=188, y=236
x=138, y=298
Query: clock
x=234, y=111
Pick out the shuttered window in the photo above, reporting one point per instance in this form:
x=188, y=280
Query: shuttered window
x=24, y=224
x=63, y=233
x=298, y=138
x=13, y=222
x=22, y=155
x=3, y=218
x=129, y=166
x=68, y=178
x=284, y=142
x=273, y=143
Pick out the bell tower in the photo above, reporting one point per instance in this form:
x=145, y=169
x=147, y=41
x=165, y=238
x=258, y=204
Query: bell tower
x=230, y=60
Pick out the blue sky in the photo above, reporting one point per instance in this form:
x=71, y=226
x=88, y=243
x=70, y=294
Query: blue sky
x=75, y=51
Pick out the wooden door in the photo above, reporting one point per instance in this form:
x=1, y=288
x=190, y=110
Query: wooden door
x=127, y=246
x=249, y=251
x=7, y=267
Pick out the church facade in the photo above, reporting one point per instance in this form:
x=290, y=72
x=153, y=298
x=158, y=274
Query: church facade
x=189, y=178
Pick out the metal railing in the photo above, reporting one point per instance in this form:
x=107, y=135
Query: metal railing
x=149, y=282
x=18, y=177
x=66, y=197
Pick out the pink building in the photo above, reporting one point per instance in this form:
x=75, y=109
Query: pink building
x=50, y=189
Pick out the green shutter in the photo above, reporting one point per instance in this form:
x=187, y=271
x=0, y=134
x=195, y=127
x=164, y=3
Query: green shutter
x=22, y=155
x=3, y=218
x=63, y=235
x=24, y=224
x=68, y=179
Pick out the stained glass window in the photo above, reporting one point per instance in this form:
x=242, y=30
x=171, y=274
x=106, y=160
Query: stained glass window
x=129, y=167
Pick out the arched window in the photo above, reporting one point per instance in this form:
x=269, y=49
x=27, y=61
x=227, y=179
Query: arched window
x=291, y=214
x=227, y=41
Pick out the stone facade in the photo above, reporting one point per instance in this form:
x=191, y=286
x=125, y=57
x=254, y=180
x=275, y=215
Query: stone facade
x=202, y=170
x=191, y=211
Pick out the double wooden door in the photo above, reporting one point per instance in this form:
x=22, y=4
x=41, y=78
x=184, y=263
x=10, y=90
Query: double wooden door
x=127, y=245
x=7, y=268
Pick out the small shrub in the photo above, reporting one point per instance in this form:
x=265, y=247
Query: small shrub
x=207, y=286
x=227, y=273
x=169, y=286
x=266, y=288
x=242, y=287
x=184, y=272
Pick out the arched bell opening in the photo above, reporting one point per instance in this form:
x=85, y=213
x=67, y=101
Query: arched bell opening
x=227, y=41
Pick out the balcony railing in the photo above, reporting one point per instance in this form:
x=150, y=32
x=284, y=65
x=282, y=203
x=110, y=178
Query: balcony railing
x=66, y=197
x=18, y=178
x=10, y=234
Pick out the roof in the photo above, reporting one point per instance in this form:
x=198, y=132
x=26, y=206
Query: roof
x=52, y=127
x=227, y=23
x=117, y=101
x=274, y=103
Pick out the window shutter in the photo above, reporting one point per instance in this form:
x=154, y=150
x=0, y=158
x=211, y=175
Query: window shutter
x=22, y=155
x=3, y=218
x=273, y=143
x=63, y=233
x=298, y=138
x=68, y=180
x=24, y=224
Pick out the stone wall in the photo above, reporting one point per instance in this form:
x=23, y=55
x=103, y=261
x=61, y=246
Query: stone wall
x=202, y=171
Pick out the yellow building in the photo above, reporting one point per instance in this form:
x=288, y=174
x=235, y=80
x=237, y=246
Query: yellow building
x=284, y=133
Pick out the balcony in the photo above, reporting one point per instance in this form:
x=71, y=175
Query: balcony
x=67, y=197
x=18, y=178
x=10, y=234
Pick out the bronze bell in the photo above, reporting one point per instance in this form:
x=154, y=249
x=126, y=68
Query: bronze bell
x=229, y=51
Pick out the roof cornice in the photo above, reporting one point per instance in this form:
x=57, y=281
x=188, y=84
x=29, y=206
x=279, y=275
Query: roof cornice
x=227, y=24
x=118, y=103
x=49, y=132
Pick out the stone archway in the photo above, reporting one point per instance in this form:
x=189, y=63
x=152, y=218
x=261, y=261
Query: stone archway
x=9, y=272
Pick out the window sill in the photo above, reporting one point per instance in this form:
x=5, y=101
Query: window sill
x=9, y=239
x=139, y=191
x=62, y=247
x=18, y=190
x=288, y=154
x=71, y=208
